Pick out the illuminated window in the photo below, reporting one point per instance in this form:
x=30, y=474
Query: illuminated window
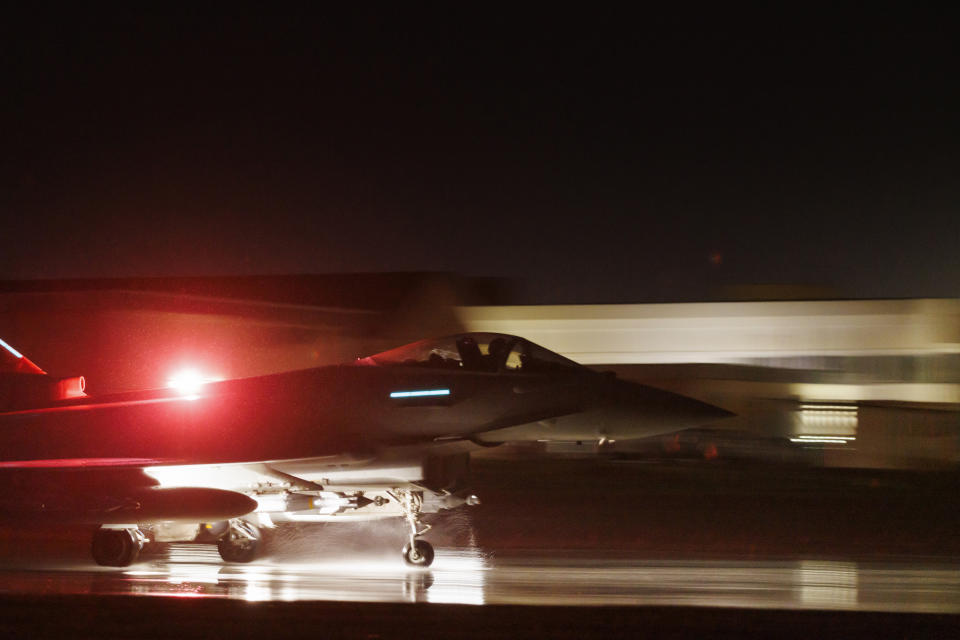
x=827, y=424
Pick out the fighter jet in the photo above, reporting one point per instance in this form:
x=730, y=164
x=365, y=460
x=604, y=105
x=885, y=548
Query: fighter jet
x=388, y=435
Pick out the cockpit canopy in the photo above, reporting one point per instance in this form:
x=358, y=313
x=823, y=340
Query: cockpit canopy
x=489, y=352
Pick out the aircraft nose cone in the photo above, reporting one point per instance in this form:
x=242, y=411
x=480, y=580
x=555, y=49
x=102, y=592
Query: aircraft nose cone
x=700, y=411
x=679, y=406
x=646, y=410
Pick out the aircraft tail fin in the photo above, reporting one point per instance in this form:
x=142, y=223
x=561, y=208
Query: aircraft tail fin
x=12, y=361
x=24, y=385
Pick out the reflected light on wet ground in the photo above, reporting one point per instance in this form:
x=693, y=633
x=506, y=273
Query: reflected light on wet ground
x=837, y=585
x=469, y=576
x=828, y=584
x=457, y=576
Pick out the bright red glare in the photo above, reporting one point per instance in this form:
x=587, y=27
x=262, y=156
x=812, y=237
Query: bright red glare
x=189, y=382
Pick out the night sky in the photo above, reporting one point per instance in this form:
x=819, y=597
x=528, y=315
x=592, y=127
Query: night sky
x=597, y=155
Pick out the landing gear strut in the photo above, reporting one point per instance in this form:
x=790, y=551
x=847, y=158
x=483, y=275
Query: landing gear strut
x=240, y=543
x=416, y=553
x=117, y=547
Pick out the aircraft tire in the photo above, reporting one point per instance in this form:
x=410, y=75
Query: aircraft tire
x=418, y=555
x=115, y=547
x=240, y=549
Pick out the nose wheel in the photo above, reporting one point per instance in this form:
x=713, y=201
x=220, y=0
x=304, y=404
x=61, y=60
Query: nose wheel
x=419, y=553
x=416, y=553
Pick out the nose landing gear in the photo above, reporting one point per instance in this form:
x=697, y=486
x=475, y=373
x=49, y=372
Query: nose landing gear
x=416, y=553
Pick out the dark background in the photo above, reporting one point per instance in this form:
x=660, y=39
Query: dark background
x=595, y=154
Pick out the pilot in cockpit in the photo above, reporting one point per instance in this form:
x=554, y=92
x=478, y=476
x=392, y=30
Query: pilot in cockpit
x=470, y=354
x=496, y=353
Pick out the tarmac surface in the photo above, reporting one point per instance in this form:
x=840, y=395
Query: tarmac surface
x=560, y=548
x=542, y=578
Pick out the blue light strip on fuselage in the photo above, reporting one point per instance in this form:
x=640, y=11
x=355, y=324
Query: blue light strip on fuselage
x=10, y=349
x=420, y=394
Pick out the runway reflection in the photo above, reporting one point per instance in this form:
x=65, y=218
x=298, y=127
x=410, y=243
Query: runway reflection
x=457, y=576
x=828, y=584
x=470, y=576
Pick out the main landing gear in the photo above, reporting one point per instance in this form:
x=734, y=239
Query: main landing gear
x=416, y=553
x=237, y=540
x=117, y=547
x=240, y=543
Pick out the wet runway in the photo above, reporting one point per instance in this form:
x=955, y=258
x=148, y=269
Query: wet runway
x=558, y=549
x=472, y=577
